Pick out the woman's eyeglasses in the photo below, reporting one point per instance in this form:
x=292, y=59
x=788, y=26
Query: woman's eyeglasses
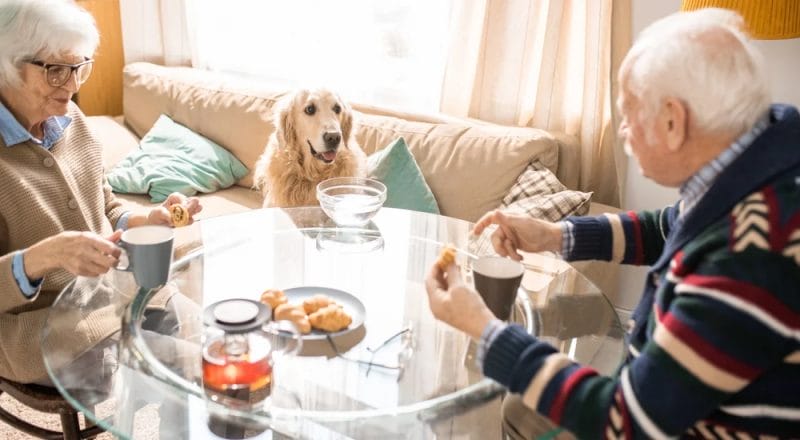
x=406, y=350
x=57, y=74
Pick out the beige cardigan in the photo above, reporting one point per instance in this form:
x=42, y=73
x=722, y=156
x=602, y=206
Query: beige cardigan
x=43, y=193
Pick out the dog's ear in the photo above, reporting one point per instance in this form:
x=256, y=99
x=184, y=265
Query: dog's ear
x=284, y=123
x=347, y=122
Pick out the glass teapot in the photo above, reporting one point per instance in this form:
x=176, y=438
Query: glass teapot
x=240, y=347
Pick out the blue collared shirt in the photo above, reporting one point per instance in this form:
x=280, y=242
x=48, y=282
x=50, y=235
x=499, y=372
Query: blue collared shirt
x=14, y=133
x=693, y=189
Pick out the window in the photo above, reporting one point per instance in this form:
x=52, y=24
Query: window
x=386, y=53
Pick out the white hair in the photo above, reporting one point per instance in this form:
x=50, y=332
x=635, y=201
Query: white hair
x=40, y=29
x=704, y=59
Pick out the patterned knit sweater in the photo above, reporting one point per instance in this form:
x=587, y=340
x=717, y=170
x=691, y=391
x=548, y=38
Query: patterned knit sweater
x=44, y=193
x=714, y=349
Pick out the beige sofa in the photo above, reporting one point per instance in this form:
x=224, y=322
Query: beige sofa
x=470, y=166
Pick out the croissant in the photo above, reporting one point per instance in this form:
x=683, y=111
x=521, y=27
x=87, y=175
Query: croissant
x=295, y=314
x=316, y=302
x=331, y=318
x=273, y=298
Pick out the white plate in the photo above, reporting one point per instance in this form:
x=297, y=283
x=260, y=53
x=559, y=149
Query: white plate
x=352, y=305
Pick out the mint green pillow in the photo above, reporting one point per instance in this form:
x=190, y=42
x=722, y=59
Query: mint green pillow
x=405, y=186
x=172, y=158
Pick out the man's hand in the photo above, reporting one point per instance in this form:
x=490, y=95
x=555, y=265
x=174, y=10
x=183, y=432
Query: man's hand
x=162, y=216
x=520, y=232
x=453, y=302
x=79, y=253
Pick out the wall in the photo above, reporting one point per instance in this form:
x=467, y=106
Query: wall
x=783, y=61
x=102, y=93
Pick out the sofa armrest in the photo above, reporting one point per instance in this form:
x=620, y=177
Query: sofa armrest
x=116, y=139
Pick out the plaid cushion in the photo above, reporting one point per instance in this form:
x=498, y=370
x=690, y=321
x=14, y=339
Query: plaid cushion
x=539, y=193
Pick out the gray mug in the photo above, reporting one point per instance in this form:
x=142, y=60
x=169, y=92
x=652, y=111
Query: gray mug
x=497, y=280
x=148, y=251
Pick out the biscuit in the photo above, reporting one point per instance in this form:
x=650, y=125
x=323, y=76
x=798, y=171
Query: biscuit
x=316, y=302
x=446, y=257
x=180, y=215
x=273, y=298
x=331, y=318
x=295, y=314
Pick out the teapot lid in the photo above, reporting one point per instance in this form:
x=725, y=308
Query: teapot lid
x=237, y=315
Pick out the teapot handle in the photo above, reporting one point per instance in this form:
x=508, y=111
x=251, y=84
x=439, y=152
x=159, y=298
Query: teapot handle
x=286, y=338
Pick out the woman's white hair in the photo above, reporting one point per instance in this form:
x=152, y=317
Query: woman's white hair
x=704, y=59
x=41, y=29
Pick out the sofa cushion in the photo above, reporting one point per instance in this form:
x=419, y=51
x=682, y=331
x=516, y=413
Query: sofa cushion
x=469, y=166
x=539, y=193
x=236, y=114
x=405, y=186
x=172, y=158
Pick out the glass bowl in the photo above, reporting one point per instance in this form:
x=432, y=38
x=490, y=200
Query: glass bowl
x=351, y=201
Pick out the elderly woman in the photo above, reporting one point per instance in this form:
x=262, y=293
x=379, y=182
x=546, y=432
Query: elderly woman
x=58, y=216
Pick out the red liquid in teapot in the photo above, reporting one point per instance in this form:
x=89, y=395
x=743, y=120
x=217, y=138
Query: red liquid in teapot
x=222, y=373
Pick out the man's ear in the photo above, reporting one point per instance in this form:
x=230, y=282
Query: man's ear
x=674, y=119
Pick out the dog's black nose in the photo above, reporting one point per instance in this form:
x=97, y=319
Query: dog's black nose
x=332, y=139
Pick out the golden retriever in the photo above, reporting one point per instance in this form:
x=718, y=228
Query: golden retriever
x=312, y=142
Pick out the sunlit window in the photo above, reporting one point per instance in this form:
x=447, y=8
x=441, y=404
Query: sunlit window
x=386, y=52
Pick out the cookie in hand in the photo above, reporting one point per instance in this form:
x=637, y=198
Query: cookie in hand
x=180, y=215
x=446, y=257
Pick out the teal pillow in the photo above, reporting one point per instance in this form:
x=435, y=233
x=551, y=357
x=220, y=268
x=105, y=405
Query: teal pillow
x=172, y=158
x=405, y=186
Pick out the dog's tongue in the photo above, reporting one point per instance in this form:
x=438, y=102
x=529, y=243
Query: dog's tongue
x=329, y=155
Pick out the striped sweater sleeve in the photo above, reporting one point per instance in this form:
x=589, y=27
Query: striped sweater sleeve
x=722, y=330
x=630, y=238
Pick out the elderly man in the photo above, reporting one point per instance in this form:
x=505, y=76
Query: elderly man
x=714, y=349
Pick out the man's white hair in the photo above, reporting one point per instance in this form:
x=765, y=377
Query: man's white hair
x=704, y=59
x=40, y=29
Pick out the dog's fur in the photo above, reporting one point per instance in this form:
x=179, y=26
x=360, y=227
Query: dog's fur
x=303, y=151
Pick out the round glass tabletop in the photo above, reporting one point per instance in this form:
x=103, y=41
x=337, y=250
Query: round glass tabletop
x=394, y=372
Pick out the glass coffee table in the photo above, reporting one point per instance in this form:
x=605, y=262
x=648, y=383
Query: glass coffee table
x=395, y=373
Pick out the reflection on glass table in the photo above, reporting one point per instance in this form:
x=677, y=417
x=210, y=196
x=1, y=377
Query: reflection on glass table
x=398, y=374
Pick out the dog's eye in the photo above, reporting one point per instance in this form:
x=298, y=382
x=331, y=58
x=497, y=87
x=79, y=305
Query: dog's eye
x=310, y=109
x=337, y=109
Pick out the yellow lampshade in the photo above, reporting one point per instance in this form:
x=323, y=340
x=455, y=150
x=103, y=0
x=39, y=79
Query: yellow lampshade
x=765, y=19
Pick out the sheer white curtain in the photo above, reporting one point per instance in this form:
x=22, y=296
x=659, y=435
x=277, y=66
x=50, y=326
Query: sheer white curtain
x=540, y=63
x=546, y=64
x=156, y=31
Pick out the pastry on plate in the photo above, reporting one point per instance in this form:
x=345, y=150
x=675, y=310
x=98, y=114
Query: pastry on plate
x=273, y=298
x=317, y=302
x=295, y=314
x=331, y=318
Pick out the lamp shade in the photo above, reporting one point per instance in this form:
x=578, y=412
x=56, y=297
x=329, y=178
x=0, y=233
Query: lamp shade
x=765, y=19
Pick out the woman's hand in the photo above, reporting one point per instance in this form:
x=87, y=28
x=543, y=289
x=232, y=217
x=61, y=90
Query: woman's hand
x=162, y=216
x=79, y=253
x=520, y=232
x=455, y=303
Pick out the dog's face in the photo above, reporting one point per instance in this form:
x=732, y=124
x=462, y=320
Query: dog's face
x=318, y=122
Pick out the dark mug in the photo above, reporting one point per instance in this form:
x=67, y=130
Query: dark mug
x=497, y=280
x=147, y=252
